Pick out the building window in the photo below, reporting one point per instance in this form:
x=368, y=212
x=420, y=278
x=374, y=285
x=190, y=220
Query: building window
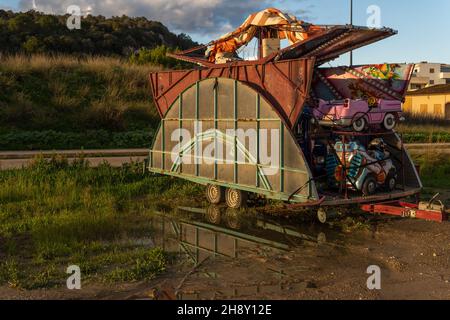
x=438, y=110
x=423, y=109
x=431, y=81
x=431, y=70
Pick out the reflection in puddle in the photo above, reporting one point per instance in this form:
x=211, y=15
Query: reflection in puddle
x=222, y=253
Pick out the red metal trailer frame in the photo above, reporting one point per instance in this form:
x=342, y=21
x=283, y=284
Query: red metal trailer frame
x=405, y=210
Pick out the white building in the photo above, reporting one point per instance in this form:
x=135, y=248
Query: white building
x=429, y=74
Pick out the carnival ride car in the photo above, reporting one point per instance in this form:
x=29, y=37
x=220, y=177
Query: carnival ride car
x=360, y=114
x=368, y=170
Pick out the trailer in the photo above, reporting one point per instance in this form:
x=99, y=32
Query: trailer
x=247, y=128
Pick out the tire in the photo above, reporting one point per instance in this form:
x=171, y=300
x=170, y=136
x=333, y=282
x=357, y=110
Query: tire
x=235, y=198
x=391, y=180
x=215, y=194
x=369, y=186
x=233, y=220
x=389, y=121
x=322, y=215
x=213, y=214
x=359, y=123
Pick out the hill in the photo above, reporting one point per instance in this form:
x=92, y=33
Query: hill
x=34, y=32
x=65, y=102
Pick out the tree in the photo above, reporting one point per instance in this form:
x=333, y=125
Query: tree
x=33, y=31
x=20, y=22
x=33, y=45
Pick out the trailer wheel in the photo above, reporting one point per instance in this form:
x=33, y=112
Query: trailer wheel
x=391, y=180
x=322, y=215
x=235, y=198
x=213, y=214
x=370, y=186
x=232, y=219
x=215, y=194
x=389, y=121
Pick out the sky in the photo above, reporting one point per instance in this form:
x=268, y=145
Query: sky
x=423, y=26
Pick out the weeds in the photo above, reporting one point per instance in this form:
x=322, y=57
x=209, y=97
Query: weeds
x=434, y=169
x=424, y=129
x=89, y=139
x=143, y=265
x=68, y=94
x=54, y=214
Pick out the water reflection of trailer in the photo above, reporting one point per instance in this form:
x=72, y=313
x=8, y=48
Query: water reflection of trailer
x=199, y=108
x=209, y=235
x=212, y=232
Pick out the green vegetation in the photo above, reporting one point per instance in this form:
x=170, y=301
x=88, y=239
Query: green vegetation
x=66, y=102
x=34, y=32
x=71, y=95
x=89, y=139
x=425, y=136
x=434, y=169
x=158, y=57
x=425, y=129
x=53, y=215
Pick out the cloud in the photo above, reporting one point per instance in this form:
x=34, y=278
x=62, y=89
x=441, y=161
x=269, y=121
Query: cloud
x=200, y=17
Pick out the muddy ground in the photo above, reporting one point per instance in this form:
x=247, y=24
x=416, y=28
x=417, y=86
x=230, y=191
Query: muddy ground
x=216, y=255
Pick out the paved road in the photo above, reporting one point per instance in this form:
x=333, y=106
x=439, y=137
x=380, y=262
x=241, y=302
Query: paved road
x=118, y=157
x=428, y=146
x=74, y=153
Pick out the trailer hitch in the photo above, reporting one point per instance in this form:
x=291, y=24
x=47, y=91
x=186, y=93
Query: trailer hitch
x=433, y=210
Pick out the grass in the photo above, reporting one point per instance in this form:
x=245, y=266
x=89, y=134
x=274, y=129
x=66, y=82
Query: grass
x=424, y=129
x=67, y=95
x=56, y=214
x=434, y=169
x=89, y=139
x=426, y=133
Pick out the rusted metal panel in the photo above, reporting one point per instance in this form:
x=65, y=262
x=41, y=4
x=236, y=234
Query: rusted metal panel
x=337, y=40
x=285, y=85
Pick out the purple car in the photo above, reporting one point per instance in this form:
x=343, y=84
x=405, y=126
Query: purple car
x=358, y=114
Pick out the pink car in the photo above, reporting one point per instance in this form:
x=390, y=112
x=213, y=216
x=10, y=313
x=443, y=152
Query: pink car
x=357, y=114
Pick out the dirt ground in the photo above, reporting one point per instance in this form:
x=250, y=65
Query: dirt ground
x=258, y=260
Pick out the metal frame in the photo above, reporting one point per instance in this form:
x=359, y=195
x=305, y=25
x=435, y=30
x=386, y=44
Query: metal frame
x=282, y=195
x=405, y=210
x=305, y=200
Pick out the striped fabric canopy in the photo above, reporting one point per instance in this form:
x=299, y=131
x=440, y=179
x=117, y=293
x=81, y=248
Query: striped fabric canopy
x=279, y=24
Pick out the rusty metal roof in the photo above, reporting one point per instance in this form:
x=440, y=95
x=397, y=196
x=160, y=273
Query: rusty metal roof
x=335, y=41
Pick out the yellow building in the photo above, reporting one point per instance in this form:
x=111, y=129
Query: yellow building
x=432, y=101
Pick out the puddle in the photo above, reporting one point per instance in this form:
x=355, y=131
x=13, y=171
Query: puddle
x=224, y=254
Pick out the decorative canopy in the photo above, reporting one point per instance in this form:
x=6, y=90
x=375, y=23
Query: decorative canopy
x=323, y=42
x=269, y=23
